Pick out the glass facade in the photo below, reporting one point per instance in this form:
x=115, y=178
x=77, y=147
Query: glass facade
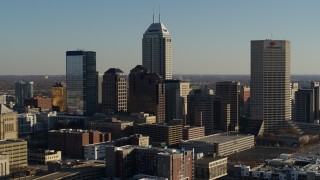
x=82, y=83
x=23, y=91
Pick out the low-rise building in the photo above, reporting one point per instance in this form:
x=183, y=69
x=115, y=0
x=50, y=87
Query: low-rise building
x=60, y=121
x=168, y=133
x=222, y=144
x=147, y=177
x=192, y=132
x=95, y=151
x=117, y=128
x=90, y=170
x=4, y=167
x=16, y=150
x=44, y=156
x=126, y=161
x=283, y=168
x=98, y=150
x=44, y=103
x=71, y=141
x=136, y=139
x=210, y=168
x=139, y=118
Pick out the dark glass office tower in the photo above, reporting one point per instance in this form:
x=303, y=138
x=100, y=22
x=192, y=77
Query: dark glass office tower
x=22, y=91
x=146, y=93
x=114, y=91
x=81, y=78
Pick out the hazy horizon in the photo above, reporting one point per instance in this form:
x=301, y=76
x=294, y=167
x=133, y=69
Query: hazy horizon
x=209, y=37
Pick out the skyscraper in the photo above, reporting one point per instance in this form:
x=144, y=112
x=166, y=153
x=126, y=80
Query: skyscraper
x=244, y=102
x=230, y=92
x=114, y=93
x=270, y=84
x=208, y=110
x=304, y=107
x=23, y=91
x=81, y=82
x=146, y=93
x=177, y=92
x=157, y=50
x=316, y=88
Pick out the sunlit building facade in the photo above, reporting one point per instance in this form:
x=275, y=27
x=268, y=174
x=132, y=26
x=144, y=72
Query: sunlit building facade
x=157, y=50
x=270, y=84
x=59, y=97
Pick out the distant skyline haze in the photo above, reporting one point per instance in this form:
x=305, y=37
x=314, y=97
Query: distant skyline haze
x=208, y=37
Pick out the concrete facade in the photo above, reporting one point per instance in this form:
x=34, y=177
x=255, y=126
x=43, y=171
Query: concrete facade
x=8, y=123
x=222, y=144
x=270, y=84
x=157, y=50
x=16, y=150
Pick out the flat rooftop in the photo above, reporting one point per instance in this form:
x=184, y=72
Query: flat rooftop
x=219, y=138
x=9, y=141
x=207, y=160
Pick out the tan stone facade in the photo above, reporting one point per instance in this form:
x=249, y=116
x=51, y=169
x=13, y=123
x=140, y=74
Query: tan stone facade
x=8, y=123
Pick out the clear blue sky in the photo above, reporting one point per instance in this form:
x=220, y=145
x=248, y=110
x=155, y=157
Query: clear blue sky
x=209, y=36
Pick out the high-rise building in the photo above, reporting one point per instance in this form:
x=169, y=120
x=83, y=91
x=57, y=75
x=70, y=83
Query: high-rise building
x=114, y=93
x=177, y=92
x=244, y=101
x=270, y=84
x=23, y=91
x=294, y=89
x=230, y=92
x=100, y=81
x=208, y=110
x=316, y=89
x=146, y=93
x=157, y=50
x=8, y=123
x=81, y=76
x=304, y=106
x=59, y=97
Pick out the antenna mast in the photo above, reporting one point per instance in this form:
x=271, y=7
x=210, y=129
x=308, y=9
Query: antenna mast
x=159, y=13
x=153, y=15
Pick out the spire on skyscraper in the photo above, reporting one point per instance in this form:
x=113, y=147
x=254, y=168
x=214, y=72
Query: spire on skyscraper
x=157, y=50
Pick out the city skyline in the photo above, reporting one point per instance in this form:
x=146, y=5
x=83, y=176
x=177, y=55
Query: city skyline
x=37, y=34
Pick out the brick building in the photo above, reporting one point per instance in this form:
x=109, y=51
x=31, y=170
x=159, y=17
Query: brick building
x=127, y=161
x=71, y=141
x=168, y=133
x=117, y=128
x=44, y=103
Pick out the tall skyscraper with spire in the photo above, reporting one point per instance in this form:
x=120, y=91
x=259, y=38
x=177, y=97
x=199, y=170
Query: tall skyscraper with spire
x=157, y=50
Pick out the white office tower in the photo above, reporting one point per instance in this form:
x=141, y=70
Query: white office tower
x=157, y=50
x=270, y=84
